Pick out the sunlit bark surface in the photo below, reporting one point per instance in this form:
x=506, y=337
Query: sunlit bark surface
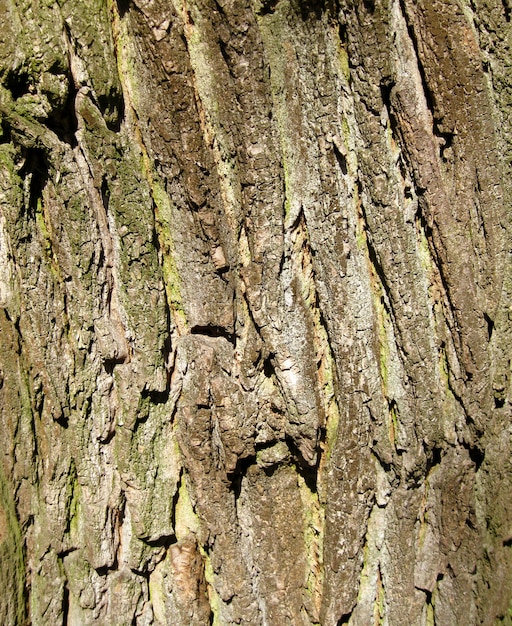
x=255, y=312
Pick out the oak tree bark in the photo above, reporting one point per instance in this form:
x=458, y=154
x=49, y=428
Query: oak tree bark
x=255, y=312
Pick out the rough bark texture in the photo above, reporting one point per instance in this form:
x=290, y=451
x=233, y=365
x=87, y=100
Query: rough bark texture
x=255, y=312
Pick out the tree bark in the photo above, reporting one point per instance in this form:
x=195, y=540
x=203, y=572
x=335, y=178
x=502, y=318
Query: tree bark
x=255, y=312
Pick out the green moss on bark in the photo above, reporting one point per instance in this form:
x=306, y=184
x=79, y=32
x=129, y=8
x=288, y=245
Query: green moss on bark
x=12, y=561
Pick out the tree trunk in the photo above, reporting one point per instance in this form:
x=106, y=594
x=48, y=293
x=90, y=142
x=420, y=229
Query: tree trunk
x=255, y=312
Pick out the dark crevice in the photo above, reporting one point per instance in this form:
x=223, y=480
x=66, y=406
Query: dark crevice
x=225, y=56
x=63, y=120
x=270, y=470
x=299, y=220
x=117, y=521
x=64, y=553
x=5, y=132
x=341, y=159
x=17, y=327
x=265, y=445
x=123, y=6
x=428, y=596
x=62, y=420
x=433, y=456
x=386, y=86
x=309, y=473
x=223, y=273
x=268, y=7
x=213, y=331
x=167, y=351
x=436, y=455
x=65, y=605
x=386, y=89
x=507, y=9
x=105, y=194
x=221, y=11
x=450, y=311
x=110, y=363
x=344, y=619
x=237, y=475
x=161, y=542
x=102, y=570
x=387, y=301
x=156, y=397
x=18, y=82
x=176, y=496
x=446, y=141
x=499, y=402
x=386, y=464
x=507, y=542
x=256, y=326
x=154, y=237
x=377, y=266
x=268, y=366
x=112, y=108
x=313, y=8
x=107, y=437
x=36, y=166
x=343, y=33
x=456, y=394
x=490, y=326
x=475, y=454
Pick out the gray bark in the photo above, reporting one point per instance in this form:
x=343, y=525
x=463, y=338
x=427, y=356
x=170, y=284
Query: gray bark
x=255, y=312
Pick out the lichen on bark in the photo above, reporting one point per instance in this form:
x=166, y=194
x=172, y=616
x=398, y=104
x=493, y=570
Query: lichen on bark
x=255, y=297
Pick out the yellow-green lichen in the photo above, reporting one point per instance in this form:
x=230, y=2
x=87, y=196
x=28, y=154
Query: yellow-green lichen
x=186, y=523
x=210, y=89
x=127, y=67
x=380, y=603
x=213, y=596
x=330, y=405
x=46, y=240
x=430, y=617
x=129, y=77
x=342, y=56
x=313, y=520
x=163, y=220
x=157, y=590
x=364, y=576
x=186, y=519
x=383, y=326
x=73, y=498
x=393, y=424
x=274, y=31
